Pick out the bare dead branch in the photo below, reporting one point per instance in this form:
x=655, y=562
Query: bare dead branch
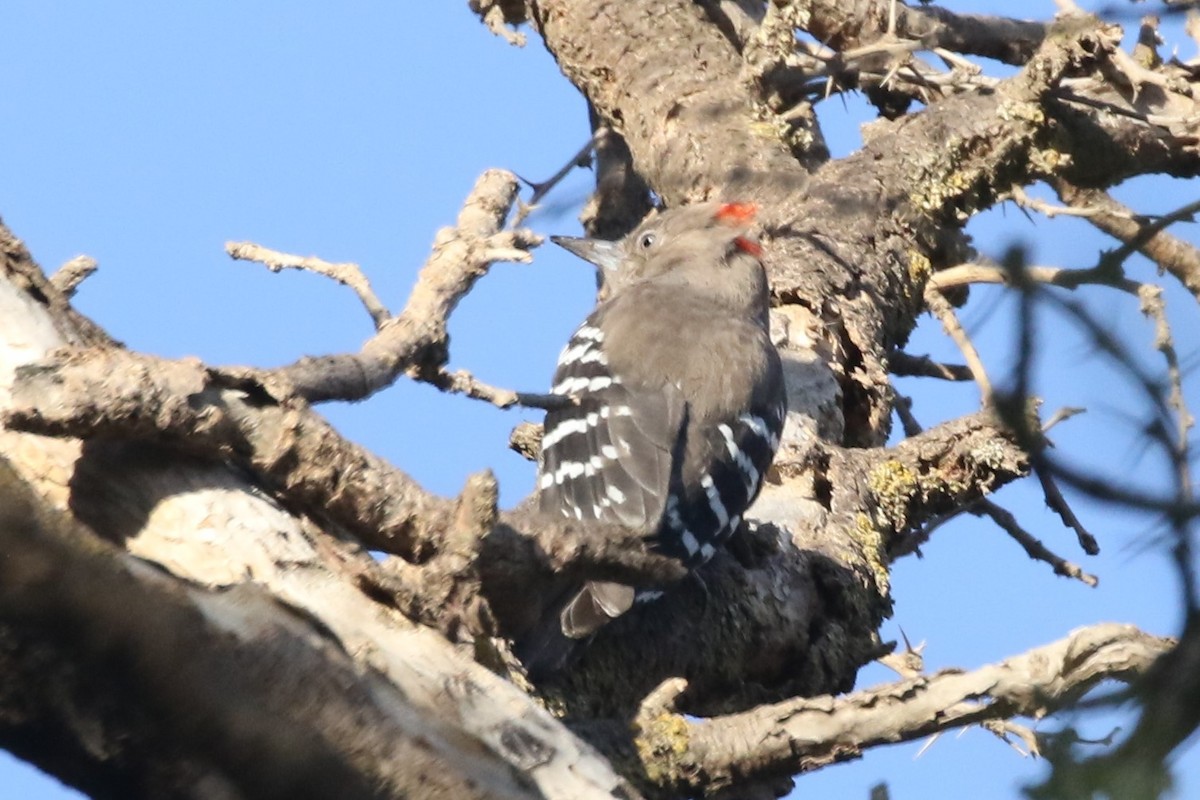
x=72, y=273
x=346, y=273
x=967, y=274
x=1172, y=254
x=941, y=308
x=543, y=188
x=802, y=734
x=415, y=341
x=1033, y=546
x=463, y=382
x=905, y=364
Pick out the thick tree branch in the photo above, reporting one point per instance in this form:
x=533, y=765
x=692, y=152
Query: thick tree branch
x=205, y=523
x=929, y=475
x=845, y=26
x=115, y=394
x=798, y=735
x=229, y=689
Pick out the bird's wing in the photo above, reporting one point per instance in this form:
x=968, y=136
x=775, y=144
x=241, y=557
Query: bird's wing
x=611, y=454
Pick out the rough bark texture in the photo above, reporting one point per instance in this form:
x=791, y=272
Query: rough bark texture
x=222, y=507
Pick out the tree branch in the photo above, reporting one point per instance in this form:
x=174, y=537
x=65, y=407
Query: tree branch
x=848, y=25
x=1171, y=253
x=347, y=274
x=415, y=341
x=199, y=688
x=798, y=735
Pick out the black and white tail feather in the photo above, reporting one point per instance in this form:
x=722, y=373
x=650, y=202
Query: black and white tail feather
x=679, y=403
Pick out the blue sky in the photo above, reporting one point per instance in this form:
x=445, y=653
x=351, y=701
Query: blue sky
x=148, y=134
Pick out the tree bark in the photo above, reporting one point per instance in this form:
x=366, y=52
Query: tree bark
x=187, y=604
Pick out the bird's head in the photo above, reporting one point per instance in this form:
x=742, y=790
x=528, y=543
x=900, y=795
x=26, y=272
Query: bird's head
x=706, y=247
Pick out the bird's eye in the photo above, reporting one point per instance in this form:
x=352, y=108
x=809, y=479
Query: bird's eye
x=647, y=241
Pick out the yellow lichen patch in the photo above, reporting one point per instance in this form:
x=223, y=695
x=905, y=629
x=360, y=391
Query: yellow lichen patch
x=934, y=196
x=1015, y=109
x=665, y=734
x=1048, y=159
x=919, y=267
x=869, y=536
x=893, y=485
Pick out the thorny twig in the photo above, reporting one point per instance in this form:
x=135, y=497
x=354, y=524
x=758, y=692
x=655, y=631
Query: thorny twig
x=543, y=188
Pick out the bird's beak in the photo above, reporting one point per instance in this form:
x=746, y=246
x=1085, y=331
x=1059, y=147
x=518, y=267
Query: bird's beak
x=604, y=254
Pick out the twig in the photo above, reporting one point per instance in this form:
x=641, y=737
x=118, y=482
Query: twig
x=72, y=273
x=1032, y=545
x=1003, y=728
x=463, y=382
x=1159, y=120
x=907, y=365
x=1061, y=415
x=903, y=405
x=1169, y=252
x=540, y=190
x=1059, y=505
x=1185, y=213
x=941, y=308
x=415, y=341
x=1154, y=307
x=909, y=662
x=967, y=274
x=1022, y=199
x=345, y=273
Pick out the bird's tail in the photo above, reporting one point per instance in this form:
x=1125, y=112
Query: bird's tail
x=597, y=604
x=557, y=639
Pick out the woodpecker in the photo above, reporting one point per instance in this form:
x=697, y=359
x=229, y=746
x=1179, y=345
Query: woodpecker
x=678, y=390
